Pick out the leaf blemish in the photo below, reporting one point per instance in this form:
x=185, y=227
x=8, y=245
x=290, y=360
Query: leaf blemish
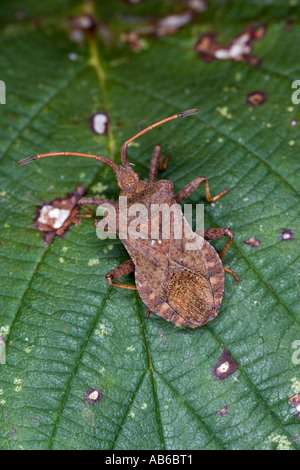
x=83, y=22
x=55, y=217
x=256, y=98
x=225, y=367
x=286, y=235
x=223, y=411
x=295, y=401
x=91, y=397
x=99, y=123
x=253, y=242
x=238, y=49
x=93, y=261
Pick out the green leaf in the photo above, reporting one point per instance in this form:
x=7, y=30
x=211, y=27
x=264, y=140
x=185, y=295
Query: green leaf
x=66, y=330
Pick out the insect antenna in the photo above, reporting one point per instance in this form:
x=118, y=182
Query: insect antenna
x=104, y=160
x=124, y=157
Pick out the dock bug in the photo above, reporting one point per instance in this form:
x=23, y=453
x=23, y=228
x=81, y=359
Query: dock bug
x=181, y=285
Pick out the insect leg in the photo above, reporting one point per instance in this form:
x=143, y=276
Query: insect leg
x=155, y=161
x=91, y=212
x=94, y=201
x=214, y=234
x=120, y=271
x=193, y=185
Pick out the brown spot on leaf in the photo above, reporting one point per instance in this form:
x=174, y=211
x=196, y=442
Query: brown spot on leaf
x=133, y=39
x=289, y=24
x=83, y=25
x=198, y=6
x=239, y=48
x=83, y=22
x=225, y=367
x=252, y=241
x=256, y=98
x=295, y=401
x=172, y=23
x=161, y=27
x=91, y=397
x=286, y=235
x=223, y=411
x=55, y=217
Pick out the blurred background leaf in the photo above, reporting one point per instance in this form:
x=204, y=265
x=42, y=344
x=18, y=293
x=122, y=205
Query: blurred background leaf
x=66, y=331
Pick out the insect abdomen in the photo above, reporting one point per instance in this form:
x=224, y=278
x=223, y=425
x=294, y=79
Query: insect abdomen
x=190, y=295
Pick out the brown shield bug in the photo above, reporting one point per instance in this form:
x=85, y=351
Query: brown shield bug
x=184, y=286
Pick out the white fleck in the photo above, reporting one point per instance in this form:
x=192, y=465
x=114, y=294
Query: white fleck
x=2, y=402
x=84, y=21
x=223, y=367
x=99, y=123
x=18, y=388
x=59, y=215
x=132, y=414
x=61, y=260
x=291, y=142
x=295, y=385
x=197, y=5
x=4, y=330
x=224, y=112
x=65, y=248
x=282, y=441
x=17, y=381
x=144, y=406
x=94, y=395
x=240, y=47
x=290, y=109
x=73, y=56
x=222, y=54
x=101, y=331
x=99, y=188
x=93, y=261
x=175, y=21
x=131, y=348
x=76, y=35
x=102, y=370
